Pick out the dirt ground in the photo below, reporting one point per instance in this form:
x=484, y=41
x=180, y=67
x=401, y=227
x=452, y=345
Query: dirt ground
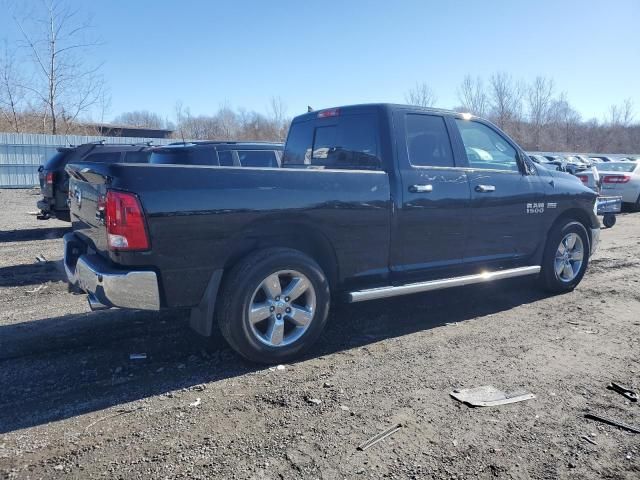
x=74, y=405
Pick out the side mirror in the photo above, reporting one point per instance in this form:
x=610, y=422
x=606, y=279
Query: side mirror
x=529, y=168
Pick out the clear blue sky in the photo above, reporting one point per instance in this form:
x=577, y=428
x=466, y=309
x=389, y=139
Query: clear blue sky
x=324, y=53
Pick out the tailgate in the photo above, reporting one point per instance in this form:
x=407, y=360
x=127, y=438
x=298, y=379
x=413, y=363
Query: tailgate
x=87, y=186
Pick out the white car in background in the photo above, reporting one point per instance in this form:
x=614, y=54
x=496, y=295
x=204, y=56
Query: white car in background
x=621, y=179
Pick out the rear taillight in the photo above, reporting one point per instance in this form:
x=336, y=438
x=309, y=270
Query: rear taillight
x=616, y=178
x=125, y=222
x=583, y=178
x=50, y=178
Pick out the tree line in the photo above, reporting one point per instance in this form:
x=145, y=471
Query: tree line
x=538, y=116
x=49, y=83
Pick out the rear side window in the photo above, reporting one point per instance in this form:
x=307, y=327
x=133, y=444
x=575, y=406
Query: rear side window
x=343, y=142
x=225, y=158
x=103, y=157
x=185, y=156
x=136, y=157
x=257, y=158
x=428, y=142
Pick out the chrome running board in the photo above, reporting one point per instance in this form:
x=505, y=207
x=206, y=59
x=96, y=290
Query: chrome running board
x=384, y=292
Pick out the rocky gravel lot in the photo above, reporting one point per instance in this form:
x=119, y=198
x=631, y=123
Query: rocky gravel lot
x=74, y=405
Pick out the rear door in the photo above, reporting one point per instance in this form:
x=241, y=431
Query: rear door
x=507, y=199
x=433, y=219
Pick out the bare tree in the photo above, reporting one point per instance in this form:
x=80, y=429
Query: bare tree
x=565, y=121
x=64, y=82
x=627, y=113
x=421, y=95
x=472, y=96
x=505, y=100
x=141, y=118
x=539, y=100
x=278, y=115
x=11, y=94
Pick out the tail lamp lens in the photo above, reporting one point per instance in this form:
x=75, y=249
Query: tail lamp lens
x=616, y=178
x=124, y=218
x=583, y=178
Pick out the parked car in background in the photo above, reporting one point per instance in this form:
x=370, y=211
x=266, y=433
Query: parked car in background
x=574, y=164
x=590, y=178
x=224, y=154
x=54, y=180
x=584, y=158
x=545, y=162
x=623, y=179
x=371, y=201
x=601, y=158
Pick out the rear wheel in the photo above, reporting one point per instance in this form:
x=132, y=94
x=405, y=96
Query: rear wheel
x=565, y=258
x=273, y=305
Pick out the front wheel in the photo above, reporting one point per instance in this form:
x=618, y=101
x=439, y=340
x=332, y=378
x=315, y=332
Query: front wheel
x=609, y=220
x=273, y=305
x=565, y=258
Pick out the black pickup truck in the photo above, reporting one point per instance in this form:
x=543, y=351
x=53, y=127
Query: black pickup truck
x=372, y=201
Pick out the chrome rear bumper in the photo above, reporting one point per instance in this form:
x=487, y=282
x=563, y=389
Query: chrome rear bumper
x=106, y=285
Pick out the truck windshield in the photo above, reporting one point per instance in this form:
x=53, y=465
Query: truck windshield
x=185, y=156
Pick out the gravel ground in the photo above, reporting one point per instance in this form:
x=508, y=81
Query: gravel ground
x=74, y=405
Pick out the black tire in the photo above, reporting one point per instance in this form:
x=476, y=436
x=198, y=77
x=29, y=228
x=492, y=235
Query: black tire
x=238, y=287
x=635, y=207
x=549, y=279
x=609, y=220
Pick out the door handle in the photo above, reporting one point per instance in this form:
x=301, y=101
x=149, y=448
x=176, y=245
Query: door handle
x=485, y=188
x=421, y=188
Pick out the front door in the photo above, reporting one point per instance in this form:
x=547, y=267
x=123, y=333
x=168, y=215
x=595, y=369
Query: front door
x=433, y=217
x=507, y=200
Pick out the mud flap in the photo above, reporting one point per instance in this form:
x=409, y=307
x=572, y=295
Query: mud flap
x=201, y=319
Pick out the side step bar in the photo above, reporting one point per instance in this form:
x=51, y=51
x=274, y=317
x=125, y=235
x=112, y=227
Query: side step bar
x=384, y=292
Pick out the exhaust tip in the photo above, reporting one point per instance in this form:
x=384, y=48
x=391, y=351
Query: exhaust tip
x=95, y=304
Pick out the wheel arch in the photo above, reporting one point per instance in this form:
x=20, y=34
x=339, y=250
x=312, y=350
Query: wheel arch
x=297, y=235
x=577, y=215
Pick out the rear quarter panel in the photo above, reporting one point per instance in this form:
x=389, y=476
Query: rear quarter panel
x=197, y=216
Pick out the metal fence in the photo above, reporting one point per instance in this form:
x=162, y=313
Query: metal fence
x=22, y=153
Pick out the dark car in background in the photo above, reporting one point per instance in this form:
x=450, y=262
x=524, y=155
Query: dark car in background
x=54, y=180
x=223, y=154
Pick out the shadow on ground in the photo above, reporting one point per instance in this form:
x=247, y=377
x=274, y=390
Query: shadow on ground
x=61, y=367
x=30, y=234
x=31, y=273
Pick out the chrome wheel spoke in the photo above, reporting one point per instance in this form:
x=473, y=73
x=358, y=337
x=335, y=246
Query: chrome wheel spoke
x=300, y=317
x=569, y=257
x=258, y=312
x=275, y=332
x=296, y=287
x=271, y=286
x=272, y=316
